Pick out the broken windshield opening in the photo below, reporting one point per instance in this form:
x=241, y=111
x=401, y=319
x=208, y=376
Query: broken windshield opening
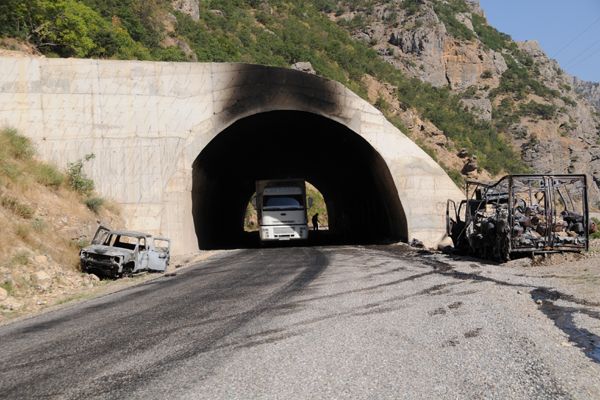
x=283, y=202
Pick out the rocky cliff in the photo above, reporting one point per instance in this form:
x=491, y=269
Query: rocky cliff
x=548, y=116
x=589, y=90
x=189, y=7
x=462, y=84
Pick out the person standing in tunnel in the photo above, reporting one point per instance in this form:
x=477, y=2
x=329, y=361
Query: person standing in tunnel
x=315, y=222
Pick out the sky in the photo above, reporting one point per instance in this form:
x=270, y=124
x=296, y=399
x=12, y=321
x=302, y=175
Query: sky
x=567, y=30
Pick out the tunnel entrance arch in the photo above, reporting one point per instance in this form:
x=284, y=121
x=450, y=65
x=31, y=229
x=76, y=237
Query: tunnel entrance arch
x=362, y=199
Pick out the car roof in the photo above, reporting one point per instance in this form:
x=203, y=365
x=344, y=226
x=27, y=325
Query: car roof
x=130, y=233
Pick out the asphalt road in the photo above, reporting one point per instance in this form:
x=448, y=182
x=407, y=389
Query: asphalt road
x=302, y=323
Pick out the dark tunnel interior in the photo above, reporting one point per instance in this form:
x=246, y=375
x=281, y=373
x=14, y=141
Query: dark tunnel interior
x=361, y=198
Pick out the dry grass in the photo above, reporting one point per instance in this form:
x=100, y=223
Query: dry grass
x=43, y=222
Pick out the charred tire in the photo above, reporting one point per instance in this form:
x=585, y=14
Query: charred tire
x=503, y=241
x=504, y=248
x=127, y=270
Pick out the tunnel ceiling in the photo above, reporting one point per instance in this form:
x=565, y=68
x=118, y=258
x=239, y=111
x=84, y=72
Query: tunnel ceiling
x=361, y=197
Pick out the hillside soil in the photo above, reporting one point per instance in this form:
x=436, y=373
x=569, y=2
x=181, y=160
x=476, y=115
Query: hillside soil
x=52, y=300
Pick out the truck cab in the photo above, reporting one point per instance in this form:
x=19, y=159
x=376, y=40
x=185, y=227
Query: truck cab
x=281, y=209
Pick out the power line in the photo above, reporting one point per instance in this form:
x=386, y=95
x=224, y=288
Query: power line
x=582, y=53
x=586, y=58
x=576, y=37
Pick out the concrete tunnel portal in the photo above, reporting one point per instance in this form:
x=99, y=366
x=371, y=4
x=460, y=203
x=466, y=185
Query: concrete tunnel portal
x=359, y=191
x=185, y=142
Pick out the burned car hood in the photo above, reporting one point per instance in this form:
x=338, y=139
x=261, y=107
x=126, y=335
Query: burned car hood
x=107, y=250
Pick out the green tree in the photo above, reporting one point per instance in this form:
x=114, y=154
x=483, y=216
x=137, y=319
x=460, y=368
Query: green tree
x=67, y=28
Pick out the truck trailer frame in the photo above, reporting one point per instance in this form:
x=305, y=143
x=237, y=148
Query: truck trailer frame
x=535, y=213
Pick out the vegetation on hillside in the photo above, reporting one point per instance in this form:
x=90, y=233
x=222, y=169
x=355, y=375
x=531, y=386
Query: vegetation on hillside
x=45, y=220
x=277, y=33
x=596, y=235
x=21, y=173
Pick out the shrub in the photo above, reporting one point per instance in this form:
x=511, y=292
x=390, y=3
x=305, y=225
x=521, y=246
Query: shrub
x=382, y=104
x=470, y=92
x=456, y=177
x=447, y=11
x=487, y=74
x=544, y=111
x=77, y=179
x=9, y=170
x=488, y=35
x=327, y=6
x=17, y=208
x=596, y=235
x=48, y=175
x=8, y=286
x=38, y=225
x=169, y=54
x=80, y=243
x=15, y=145
x=67, y=28
x=23, y=231
x=20, y=258
x=412, y=6
x=569, y=101
x=94, y=204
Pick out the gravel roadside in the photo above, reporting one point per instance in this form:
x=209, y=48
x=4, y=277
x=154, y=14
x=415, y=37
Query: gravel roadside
x=382, y=322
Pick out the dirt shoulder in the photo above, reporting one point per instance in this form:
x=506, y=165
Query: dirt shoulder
x=573, y=274
x=95, y=287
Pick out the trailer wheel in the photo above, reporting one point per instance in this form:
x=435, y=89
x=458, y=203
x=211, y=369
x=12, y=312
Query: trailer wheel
x=504, y=247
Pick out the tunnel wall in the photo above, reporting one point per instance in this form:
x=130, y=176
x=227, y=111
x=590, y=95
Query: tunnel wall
x=146, y=122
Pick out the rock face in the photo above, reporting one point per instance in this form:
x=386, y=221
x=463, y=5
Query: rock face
x=189, y=7
x=481, y=107
x=466, y=64
x=569, y=142
x=589, y=90
x=421, y=46
x=561, y=135
x=424, y=46
x=304, y=66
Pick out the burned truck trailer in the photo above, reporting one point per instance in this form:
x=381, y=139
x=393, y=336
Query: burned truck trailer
x=521, y=214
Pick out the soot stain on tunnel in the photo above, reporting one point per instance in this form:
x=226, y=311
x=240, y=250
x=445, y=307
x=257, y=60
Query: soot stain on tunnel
x=260, y=87
x=258, y=142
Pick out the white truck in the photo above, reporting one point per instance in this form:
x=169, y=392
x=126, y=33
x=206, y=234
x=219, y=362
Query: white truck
x=281, y=209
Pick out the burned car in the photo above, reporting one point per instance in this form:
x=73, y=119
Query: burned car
x=521, y=214
x=123, y=253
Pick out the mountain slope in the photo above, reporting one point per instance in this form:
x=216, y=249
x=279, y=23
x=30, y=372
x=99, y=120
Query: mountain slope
x=457, y=86
x=526, y=96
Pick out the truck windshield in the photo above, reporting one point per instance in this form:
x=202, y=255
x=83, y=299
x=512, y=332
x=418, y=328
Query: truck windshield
x=286, y=202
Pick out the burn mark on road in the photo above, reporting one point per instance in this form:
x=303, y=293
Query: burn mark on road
x=473, y=333
x=453, y=342
x=563, y=317
x=438, y=311
x=455, y=305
